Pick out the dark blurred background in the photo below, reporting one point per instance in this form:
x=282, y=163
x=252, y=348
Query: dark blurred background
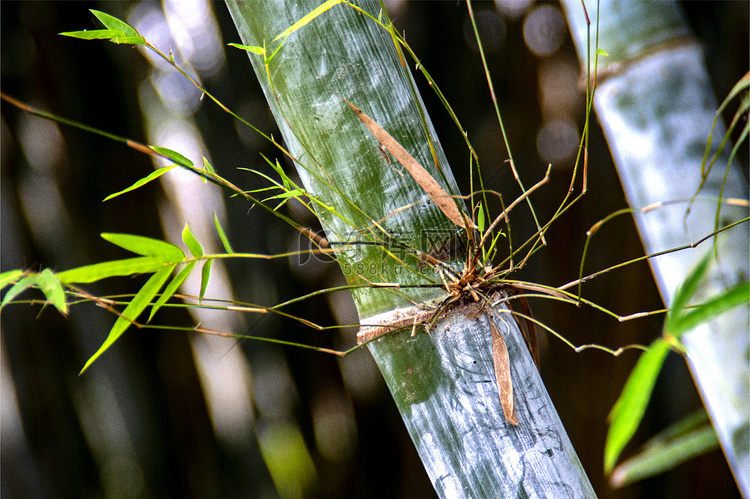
x=166, y=413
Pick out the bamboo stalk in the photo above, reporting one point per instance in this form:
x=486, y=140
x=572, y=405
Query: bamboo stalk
x=443, y=382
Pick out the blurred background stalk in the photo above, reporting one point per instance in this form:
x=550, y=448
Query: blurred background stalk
x=656, y=106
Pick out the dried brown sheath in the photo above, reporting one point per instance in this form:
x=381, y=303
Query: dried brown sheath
x=437, y=194
x=502, y=374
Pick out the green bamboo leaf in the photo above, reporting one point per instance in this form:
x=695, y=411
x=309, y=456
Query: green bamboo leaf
x=11, y=276
x=288, y=182
x=129, y=40
x=145, y=180
x=264, y=189
x=249, y=48
x=739, y=295
x=133, y=310
x=628, y=411
x=480, y=217
x=191, y=242
x=19, y=288
x=687, y=289
x=263, y=175
x=309, y=17
x=285, y=196
x=686, y=439
x=494, y=243
x=111, y=22
x=53, y=290
x=172, y=288
x=222, y=236
x=146, y=246
x=288, y=194
x=114, y=268
x=172, y=155
x=205, y=275
x=693, y=421
x=94, y=34
x=208, y=168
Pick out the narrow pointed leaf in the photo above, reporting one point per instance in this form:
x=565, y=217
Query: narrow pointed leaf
x=687, y=289
x=308, y=18
x=286, y=195
x=129, y=40
x=19, y=288
x=172, y=288
x=205, y=275
x=288, y=182
x=691, y=422
x=208, y=168
x=480, y=217
x=736, y=296
x=94, y=34
x=222, y=236
x=53, y=290
x=172, y=155
x=111, y=22
x=145, y=180
x=669, y=453
x=98, y=271
x=628, y=411
x=494, y=243
x=133, y=310
x=250, y=48
x=146, y=246
x=10, y=276
x=191, y=242
x=502, y=374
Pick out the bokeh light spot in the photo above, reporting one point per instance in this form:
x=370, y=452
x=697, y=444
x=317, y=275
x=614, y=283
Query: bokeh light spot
x=544, y=30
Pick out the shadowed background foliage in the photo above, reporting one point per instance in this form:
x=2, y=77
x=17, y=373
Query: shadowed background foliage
x=171, y=413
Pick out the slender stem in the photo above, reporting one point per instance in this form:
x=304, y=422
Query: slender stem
x=499, y=117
